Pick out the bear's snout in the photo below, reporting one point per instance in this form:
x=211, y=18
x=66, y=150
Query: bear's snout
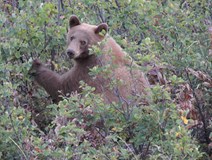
x=70, y=53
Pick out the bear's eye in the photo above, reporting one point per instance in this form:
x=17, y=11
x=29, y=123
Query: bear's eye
x=72, y=38
x=83, y=43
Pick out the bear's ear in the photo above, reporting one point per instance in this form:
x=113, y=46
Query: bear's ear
x=101, y=29
x=73, y=21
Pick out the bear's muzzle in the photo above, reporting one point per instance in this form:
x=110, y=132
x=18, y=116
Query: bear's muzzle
x=70, y=53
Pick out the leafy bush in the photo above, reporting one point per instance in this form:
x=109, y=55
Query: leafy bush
x=169, y=39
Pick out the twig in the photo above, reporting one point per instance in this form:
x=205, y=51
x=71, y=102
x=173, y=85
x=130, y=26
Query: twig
x=10, y=117
x=117, y=4
x=12, y=122
x=199, y=107
x=127, y=147
x=19, y=148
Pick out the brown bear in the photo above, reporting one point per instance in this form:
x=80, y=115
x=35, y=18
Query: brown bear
x=81, y=37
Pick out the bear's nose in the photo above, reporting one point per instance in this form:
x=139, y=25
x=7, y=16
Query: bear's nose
x=70, y=53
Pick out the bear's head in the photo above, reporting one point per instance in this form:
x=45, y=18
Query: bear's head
x=82, y=36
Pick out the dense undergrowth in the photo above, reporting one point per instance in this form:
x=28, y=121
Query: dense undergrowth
x=171, y=40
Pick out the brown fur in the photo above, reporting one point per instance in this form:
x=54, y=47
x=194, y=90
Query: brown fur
x=46, y=78
x=80, y=38
x=133, y=81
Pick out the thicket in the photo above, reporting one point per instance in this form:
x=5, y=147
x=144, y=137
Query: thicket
x=171, y=40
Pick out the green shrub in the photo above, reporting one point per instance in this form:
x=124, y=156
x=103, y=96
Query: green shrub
x=169, y=39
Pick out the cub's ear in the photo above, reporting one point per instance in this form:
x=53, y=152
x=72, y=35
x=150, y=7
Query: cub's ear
x=101, y=29
x=73, y=21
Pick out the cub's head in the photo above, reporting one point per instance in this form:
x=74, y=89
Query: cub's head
x=82, y=36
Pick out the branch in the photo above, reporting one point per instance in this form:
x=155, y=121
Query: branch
x=199, y=107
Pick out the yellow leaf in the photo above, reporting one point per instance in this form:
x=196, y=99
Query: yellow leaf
x=114, y=129
x=20, y=118
x=184, y=119
x=55, y=65
x=102, y=33
x=178, y=134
